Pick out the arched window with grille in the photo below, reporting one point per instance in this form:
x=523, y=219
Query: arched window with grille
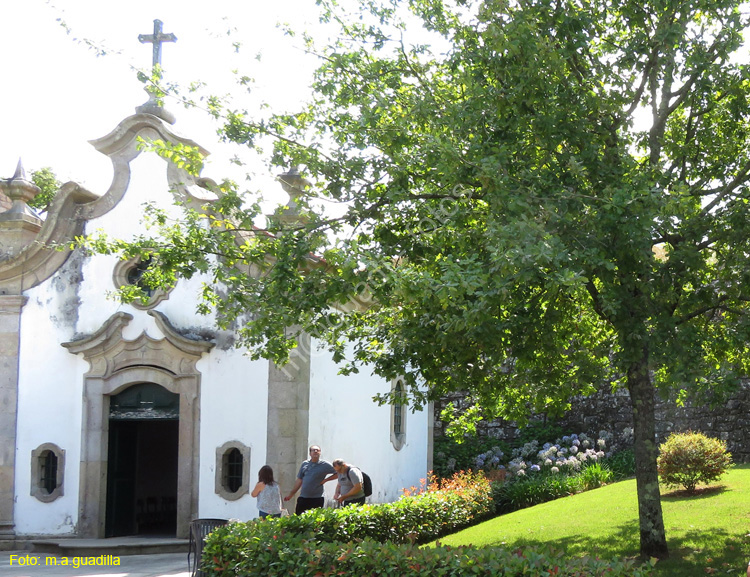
x=232, y=470
x=48, y=464
x=398, y=414
x=47, y=472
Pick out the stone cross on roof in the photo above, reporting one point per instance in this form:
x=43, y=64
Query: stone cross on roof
x=157, y=39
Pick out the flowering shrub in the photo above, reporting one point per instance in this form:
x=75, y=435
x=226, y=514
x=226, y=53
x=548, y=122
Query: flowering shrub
x=566, y=455
x=490, y=454
x=443, y=505
x=529, y=490
x=689, y=459
x=422, y=514
x=537, y=473
x=452, y=456
x=490, y=460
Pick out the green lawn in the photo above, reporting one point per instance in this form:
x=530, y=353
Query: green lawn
x=707, y=534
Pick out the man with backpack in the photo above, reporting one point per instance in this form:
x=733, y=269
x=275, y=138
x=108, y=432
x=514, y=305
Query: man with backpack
x=350, y=489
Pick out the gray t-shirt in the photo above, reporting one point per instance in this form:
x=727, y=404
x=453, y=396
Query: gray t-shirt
x=312, y=475
x=348, y=480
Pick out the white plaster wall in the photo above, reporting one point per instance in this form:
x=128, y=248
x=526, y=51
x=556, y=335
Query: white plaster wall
x=49, y=411
x=96, y=306
x=348, y=424
x=148, y=183
x=234, y=395
x=234, y=407
x=233, y=401
x=50, y=398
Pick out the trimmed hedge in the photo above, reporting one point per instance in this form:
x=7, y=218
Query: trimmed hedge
x=379, y=540
x=302, y=555
x=421, y=515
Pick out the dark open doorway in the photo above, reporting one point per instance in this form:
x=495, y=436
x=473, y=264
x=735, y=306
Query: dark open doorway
x=142, y=462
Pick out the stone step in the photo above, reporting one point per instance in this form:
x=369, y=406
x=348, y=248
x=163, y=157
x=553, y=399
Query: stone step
x=12, y=543
x=115, y=546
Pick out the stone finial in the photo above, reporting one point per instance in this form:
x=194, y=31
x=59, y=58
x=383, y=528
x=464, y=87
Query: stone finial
x=20, y=171
x=153, y=106
x=19, y=225
x=294, y=184
x=20, y=191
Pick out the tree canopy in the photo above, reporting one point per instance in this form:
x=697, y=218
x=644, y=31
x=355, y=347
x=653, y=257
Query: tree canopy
x=534, y=197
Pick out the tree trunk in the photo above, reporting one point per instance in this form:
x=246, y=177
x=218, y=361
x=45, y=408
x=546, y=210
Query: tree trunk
x=653, y=537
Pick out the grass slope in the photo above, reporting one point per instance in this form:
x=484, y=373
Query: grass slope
x=707, y=534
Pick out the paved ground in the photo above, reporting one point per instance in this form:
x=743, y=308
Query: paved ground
x=25, y=564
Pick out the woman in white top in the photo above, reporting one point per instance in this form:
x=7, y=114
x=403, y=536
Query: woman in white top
x=268, y=493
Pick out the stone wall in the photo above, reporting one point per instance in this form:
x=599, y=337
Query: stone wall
x=612, y=412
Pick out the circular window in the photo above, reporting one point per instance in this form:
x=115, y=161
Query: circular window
x=130, y=272
x=135, y=277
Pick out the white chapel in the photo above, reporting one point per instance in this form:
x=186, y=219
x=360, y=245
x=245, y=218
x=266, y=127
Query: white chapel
x=134, y=419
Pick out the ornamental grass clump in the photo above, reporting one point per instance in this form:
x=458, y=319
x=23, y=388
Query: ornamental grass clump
x=522, y=491
x=691, y=459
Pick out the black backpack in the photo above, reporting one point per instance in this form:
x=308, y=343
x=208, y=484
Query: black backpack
x=366, y=482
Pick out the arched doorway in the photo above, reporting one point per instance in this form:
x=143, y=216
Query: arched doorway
x=116, y=365
x=142, y=464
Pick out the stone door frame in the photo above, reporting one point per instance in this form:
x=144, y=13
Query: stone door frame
x=117, y=364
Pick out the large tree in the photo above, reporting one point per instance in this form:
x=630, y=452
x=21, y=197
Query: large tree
x=553, y=195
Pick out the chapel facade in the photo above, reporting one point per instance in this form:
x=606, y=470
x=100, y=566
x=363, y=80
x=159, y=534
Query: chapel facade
x=133, y=419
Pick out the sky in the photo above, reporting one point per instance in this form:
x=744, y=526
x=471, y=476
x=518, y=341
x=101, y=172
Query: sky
x=69, y=74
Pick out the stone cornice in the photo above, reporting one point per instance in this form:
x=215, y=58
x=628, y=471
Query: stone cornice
x=185, y=344
x=121, y=145
x=12, y=304
x=39, y=260
x=126, y=132
x=99, y=341
x=108, y=352
x=74, y=205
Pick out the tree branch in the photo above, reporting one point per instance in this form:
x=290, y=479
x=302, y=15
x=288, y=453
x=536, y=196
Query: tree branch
x=703, y=310
x=728, y=189
x=596, y=299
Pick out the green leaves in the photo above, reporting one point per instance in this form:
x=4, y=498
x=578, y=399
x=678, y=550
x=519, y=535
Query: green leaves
x=504, y=199
x=530, y=198
x=188, y=158
x=47, y=181
x=279, y=548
